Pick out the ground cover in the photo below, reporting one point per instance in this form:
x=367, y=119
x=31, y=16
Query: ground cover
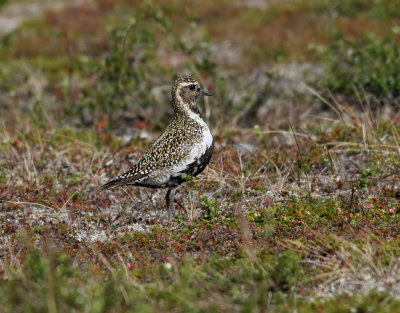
x=299, y=208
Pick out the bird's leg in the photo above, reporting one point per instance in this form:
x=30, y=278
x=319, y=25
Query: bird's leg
x=170, y=202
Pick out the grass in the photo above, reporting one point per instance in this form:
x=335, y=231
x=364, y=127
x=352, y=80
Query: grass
x=254, y=225
x=299, y=207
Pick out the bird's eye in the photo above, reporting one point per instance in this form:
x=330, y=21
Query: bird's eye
x=192, y=87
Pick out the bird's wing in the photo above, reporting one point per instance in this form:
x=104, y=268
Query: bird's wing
x=167, y=150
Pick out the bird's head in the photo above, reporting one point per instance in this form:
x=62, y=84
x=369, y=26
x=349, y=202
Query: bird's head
x=186, y=91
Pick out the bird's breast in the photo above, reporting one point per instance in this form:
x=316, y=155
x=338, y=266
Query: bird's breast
x=200, y=146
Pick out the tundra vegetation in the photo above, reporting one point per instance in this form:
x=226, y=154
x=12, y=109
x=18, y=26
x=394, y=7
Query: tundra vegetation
x=299, y=209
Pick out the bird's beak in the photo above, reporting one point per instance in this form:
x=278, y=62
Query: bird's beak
x=206, y=93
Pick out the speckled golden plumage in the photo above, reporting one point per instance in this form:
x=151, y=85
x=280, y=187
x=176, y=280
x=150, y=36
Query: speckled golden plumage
x=184, y=148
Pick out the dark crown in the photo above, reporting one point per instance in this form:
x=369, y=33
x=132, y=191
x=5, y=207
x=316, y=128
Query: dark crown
x=180, y=80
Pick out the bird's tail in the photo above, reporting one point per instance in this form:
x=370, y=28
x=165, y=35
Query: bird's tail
x=122, y=180
x=113, y=183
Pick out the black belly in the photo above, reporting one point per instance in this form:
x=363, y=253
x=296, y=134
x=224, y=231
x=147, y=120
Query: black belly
x=193, y=169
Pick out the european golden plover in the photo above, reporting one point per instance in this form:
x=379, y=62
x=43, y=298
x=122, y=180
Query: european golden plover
x=185, y=148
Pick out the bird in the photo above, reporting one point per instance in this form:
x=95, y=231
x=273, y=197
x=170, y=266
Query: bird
x=184, y=149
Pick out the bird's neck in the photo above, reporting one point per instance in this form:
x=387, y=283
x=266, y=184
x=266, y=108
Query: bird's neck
x=190, y=110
